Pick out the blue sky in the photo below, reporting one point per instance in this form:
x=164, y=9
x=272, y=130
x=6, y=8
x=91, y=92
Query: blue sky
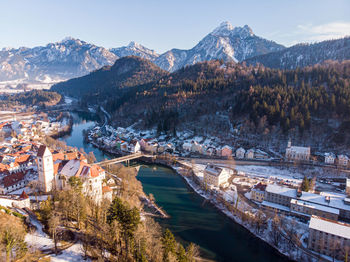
x=163, y=24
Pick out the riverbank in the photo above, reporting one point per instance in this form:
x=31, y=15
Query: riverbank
x=183, y=173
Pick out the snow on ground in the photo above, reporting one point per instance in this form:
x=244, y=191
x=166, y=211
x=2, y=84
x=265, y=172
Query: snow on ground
x=270, y=173
x=38, y=239
x=74, y=253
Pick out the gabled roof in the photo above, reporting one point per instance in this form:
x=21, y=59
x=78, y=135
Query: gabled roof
x=330, y=226
x=41, y=150
x=13, y=179
x=23, y=195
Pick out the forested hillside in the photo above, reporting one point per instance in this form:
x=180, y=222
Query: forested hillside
x=31, y=98
x=270, y=98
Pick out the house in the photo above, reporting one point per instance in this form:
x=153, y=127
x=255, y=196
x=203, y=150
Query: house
x=297, y=153
x=329, y=158
x=250, y=154
x=258, y=192
x=240, y=153
x=13, y=182
x=187, y=146
x=226, y=151
x=329, y=237
x=107, y=193
x=196, y=147
x=216, y=176
x=343, y=160
x=259, y=154
x=91, y=177
x=135, y=147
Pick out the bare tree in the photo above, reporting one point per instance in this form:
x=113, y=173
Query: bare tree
x=54, y=222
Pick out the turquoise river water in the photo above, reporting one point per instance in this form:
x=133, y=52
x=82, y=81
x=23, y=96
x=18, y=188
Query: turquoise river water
x=192, y=219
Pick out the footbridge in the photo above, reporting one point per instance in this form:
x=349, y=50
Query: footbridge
x=121, y=159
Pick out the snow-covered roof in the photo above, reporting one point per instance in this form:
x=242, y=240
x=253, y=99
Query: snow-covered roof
x=335, y=200
x=274, y=205
x=343, y=157
x=330, y=227
x=299, y=149
x=281, y=190
x=213, y=170
x=315, y=206
x=329, y=155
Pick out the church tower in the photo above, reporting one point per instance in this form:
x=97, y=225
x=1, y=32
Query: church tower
x=45, y=168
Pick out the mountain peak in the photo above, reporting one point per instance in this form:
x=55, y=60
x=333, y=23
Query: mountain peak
x=225, y=29
x=69, y=40
x=133, y=44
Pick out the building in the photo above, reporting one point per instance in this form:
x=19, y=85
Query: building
x=347, y=187
x=240, y=153
x=305, y=204
x=305, y=209
x=91, y=176
x=226, y=151
x=279, y=195
x=297, y=153
x=250, y=154
x=343, y=160
x=329, y=237
x=258, y=192
x=19, y=201
x=216, y=176
x=45, y=168
x=329, y=158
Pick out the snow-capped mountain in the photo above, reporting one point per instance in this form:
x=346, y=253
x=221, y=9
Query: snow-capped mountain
x=55, y=61
x=225, y=42
x=136, y=50
x=302, y=55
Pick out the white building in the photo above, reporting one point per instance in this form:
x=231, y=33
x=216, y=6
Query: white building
x=329, y=237
x=91, y=177
x=343, y=160
x=297, y=153
x=216, y=176
x=250, y=154
x=329, y=158
x=19, y=201
x=45, y=168
x=240, y=153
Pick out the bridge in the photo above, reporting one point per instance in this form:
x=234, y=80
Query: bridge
x=123, y=159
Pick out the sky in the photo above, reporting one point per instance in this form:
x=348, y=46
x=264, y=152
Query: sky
x=164, y=24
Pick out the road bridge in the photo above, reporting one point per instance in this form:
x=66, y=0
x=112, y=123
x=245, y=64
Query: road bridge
x=122, y=159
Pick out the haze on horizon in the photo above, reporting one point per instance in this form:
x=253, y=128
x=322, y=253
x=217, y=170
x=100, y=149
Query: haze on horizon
x=162, y=25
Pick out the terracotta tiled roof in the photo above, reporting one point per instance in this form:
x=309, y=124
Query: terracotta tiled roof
x=22, y=159
x=106, y=189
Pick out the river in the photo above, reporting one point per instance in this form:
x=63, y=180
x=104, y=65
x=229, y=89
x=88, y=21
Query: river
x=192, y=219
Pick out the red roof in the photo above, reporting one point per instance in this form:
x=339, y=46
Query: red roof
x=260, y=187
x=13, y=179
x=41, y=151
x=106, y=189
x=23, y=195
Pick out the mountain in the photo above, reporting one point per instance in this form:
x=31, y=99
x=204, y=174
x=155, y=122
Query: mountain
x=225, y=42
x=136, y=50
x=112, y=81
x=302, y=55
x=213, y=98
x=55, y=61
